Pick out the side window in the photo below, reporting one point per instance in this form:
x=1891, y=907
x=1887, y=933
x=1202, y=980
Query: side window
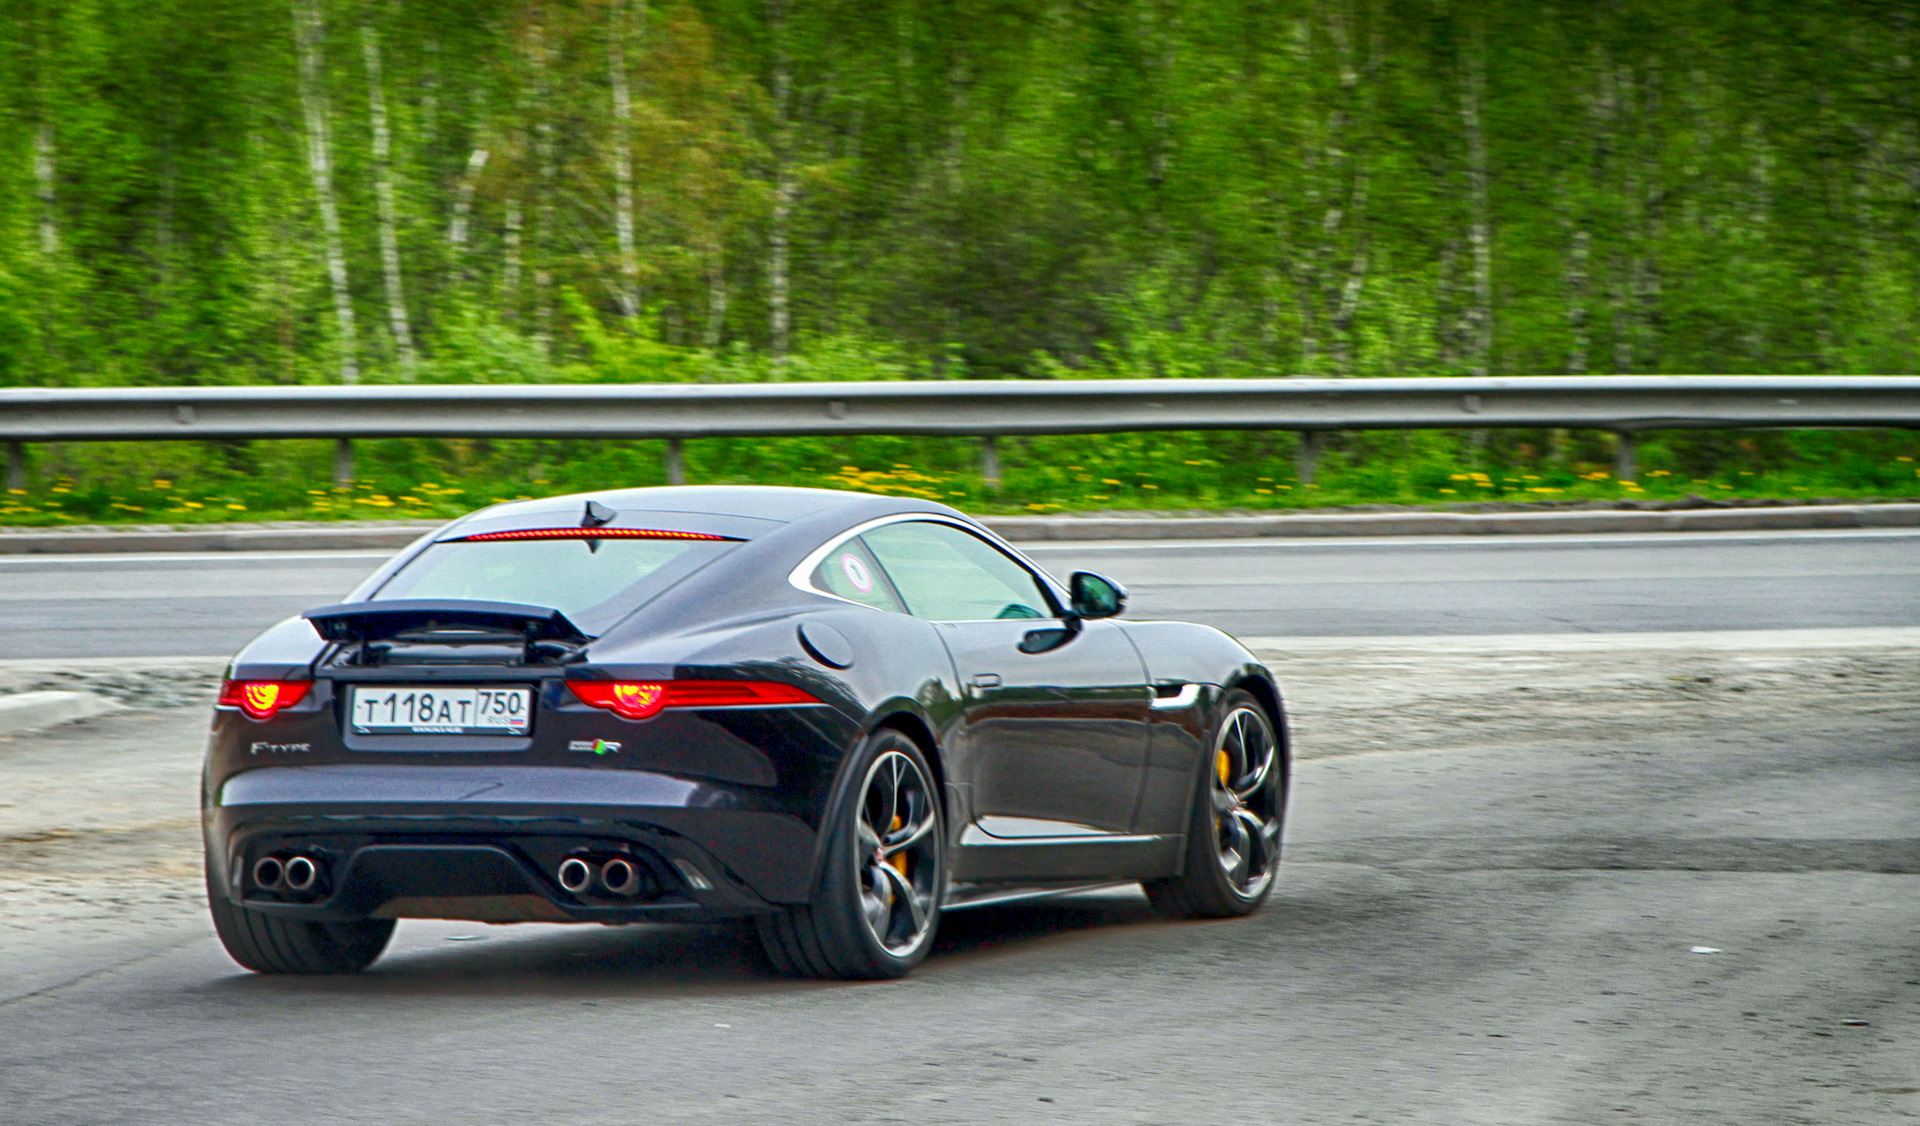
x=850, y=572
x=947, y=575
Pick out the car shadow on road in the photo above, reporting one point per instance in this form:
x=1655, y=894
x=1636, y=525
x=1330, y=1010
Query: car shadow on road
x=469, y=959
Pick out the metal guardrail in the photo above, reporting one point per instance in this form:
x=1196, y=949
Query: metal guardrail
x=1625, y=405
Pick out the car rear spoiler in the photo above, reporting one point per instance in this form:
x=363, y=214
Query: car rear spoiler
x=377, y=621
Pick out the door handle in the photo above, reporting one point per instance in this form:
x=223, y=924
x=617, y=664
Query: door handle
x=986, y=680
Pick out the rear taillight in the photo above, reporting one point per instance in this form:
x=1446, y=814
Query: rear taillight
x=261, y=698
x=641, y=699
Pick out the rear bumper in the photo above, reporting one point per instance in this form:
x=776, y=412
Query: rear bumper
x=485, y=843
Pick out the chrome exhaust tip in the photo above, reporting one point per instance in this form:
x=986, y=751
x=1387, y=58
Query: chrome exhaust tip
x=619, y=877
x=574, y=874
x=268, y=872
x=300, y=873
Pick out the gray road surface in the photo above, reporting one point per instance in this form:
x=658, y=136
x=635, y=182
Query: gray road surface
x=1475, y=935
x=81, y=606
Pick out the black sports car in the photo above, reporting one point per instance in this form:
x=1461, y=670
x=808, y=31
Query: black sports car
x=834, y=714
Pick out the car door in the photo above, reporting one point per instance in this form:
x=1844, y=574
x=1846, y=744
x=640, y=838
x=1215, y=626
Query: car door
x=1055, y=713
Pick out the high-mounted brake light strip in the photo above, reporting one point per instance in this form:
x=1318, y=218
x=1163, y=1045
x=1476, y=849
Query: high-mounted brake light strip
x=588, y=534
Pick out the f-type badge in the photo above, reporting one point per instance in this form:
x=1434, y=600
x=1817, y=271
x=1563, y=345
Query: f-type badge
x=594, y=746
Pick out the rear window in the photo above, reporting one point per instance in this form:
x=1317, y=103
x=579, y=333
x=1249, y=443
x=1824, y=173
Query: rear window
x=594, y=583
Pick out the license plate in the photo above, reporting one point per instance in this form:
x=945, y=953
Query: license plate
x=440, y=711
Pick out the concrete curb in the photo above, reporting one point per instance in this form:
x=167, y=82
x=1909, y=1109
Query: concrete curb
x=30, y=711
x=1042, y=528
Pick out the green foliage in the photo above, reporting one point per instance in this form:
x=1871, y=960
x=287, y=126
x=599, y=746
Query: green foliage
x=193, y=483
x=980, y=189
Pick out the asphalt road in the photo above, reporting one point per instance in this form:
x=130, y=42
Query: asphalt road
x=1716, y=927
x=209, y=605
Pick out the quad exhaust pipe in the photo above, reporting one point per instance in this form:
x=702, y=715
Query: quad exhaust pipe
x=295, y=873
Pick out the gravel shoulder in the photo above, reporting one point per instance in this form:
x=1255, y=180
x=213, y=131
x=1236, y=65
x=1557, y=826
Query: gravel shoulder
x=1360, y=695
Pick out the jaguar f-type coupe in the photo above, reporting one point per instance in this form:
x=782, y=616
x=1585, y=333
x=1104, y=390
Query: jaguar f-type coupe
x=833, y=714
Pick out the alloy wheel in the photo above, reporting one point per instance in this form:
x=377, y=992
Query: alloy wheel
x=1246, y=802
x=898, y=856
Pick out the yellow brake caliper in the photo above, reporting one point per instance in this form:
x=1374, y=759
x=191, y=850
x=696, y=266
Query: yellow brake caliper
x=898, y=859
x=1223, y=766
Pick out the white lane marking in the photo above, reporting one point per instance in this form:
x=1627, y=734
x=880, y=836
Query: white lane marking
x=1739, y=641
x=1140, y=584
x=1860, y=637
x=1337, y=543
x=83, y=558
x=318, y=596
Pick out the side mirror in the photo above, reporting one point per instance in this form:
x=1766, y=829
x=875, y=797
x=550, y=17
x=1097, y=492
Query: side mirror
x=1096, y=596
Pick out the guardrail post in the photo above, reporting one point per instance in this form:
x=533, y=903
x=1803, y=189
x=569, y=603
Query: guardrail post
x=343, y=462
x=676, y=463
x=1626, y=446
x=1307, y=459
x=17, y=466
x=990, y=463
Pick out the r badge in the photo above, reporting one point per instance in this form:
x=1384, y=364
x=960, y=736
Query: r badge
x=594, y=746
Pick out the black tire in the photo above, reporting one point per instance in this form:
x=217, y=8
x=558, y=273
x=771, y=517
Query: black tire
x=876, y=900
x=1239, y=815
x=269, y=944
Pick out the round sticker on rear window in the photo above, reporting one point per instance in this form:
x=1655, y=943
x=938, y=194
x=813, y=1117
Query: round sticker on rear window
x=857, y=573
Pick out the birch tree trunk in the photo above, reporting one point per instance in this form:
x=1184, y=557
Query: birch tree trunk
x=383, y=198
x=1352, y=284
x=716, y=297
x=1648, y=280
x=1577, y=272
x=430, y=98
x=1330, y=269
x=43, y=169
x=628, y=291
x=543, y=200
x=510, y=271
x=462, y=213
x=783, y=193
x=1479, y=238
x=309, y=32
